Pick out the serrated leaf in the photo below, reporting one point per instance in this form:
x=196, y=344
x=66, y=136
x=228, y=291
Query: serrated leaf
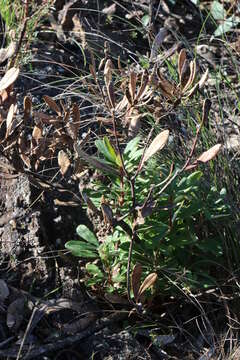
x=86, y=234
x=210, y=154
x=9, y=78
x=52, y=104
x=147, y=283
x=63, y=162
x=157, y=144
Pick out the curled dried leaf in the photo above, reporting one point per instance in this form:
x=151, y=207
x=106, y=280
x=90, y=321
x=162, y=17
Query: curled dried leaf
x=157, y=144
x=63, y=162
x=52, y=104
x=192, y=75
x=108, y=72
x=147, y=283
x=9, y=78
x=181, y=59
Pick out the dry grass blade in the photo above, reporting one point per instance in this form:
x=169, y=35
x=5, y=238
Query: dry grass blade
x=210, y=154
x=136, y=279
x=147, y=283
x=9, y=78
x=52, y=104
x=157, y=144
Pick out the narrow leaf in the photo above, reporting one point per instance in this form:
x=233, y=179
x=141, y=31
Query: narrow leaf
x=147, y=283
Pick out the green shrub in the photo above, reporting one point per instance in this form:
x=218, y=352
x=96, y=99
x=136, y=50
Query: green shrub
x=177, y=236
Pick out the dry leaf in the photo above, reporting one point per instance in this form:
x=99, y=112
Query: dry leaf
x=157, y=144
x=147, y=283
x=134, y=126
x=63, y=162
x=108, y=72
x=181, y=60
x=132, y=84
x=52, y=104
x=111, y=96
x=27, y=106
x=9, y=121
x=158, y=42
x=37, y=132
x=210, y=154
x=206, y=108
x=136, y=279
x=7, y=52
x=9, y=78
x=107, y=214
x=192, y=75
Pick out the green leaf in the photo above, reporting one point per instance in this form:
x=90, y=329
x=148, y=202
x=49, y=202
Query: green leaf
x=81, y=249
x=145, y=20
x=94, y=270
x=87, y=235
x=217, y=10
x=227, y=25
x=105, y=148
x=132, y=146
